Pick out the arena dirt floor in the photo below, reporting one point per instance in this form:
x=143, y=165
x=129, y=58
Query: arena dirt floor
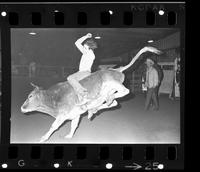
x=128, y=123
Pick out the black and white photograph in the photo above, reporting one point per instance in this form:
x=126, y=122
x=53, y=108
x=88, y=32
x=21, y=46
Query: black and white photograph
x=95, y=86
x=0, y=86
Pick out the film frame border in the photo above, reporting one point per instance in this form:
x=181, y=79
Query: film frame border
x=47, y=11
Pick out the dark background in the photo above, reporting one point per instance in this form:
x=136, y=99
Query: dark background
x=56, y=46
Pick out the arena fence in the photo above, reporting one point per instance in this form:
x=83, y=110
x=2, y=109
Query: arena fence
x=41, y=71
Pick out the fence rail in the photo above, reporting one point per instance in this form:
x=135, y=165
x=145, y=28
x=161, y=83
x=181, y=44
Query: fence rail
x=41, y=71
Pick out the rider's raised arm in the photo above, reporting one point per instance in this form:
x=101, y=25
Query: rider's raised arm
x=79, y=42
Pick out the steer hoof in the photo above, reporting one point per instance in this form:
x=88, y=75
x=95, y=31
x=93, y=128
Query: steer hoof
x=69, y=136
x=90, y=114
x=114, y=103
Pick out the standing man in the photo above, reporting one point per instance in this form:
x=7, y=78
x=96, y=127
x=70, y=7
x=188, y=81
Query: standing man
x=151, y=84
x=32, y=69
x=160, y=75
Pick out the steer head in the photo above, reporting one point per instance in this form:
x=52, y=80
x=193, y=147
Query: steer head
x=33, y=101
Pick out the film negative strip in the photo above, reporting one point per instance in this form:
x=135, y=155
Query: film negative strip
x=92, y=85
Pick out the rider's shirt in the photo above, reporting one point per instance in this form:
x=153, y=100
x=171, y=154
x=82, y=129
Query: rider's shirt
x=87, y=61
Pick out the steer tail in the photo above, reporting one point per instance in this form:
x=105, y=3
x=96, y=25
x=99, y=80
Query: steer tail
x=143, y=50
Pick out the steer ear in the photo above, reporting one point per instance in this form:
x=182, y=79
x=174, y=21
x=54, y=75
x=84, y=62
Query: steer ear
x=34, y=85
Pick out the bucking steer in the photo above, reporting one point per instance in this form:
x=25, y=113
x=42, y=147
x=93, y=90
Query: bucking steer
x=61, y=101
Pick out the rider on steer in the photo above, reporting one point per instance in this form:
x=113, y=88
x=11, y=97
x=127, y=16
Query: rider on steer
x=86, y=45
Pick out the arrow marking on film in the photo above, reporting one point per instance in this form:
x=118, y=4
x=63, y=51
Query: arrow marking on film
x=135, y=166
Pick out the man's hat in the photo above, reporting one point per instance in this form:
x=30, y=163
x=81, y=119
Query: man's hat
x=150, y=61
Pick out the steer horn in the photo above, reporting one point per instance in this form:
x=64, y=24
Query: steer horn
x=34, y=85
